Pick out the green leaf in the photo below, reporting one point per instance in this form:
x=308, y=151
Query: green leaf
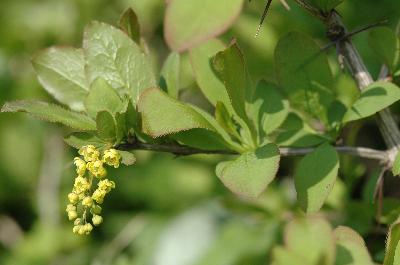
x=225, y=120
x=112, y=55
x=350, y=248
x=374, y=98
x=52, y=113
x=106, y=126
x=396, y=165
x=325, y=5
x=294, y=132
x=162, y=115
x=102, y=97
x=211, y=86
x=61, y=72
x=315, y=177
x=120, y=126
x=187, y=22
x=170, y=74
x=304, y=74
x=79, y=139
x=386, y=44
x=392, y=256
x=230, y=66
x=129, y=23
x=282, y=256
x=128, y=158
x=269, y=108
x=251, y=172
x=311, y=238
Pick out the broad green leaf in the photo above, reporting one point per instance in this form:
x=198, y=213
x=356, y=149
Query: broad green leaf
x=189, y=22
x=350, y=248
x=52, y=113
x=211, y=86
x=129, y=23
x=325, y=5
x=112, y=55
x=315, y=177
x=231, y=68
x=128, y=158
x=170, y=74
x=79, y=139
x=61, y=72
x=386, y=44
x=311, y=238
x=250, y=173
x=374, y=98
x=106, y=126
x=392, y=256
x=162, y=115
x=396, y=165
x=102, y=97
x=269, y=107
x=294, y=132
x=282, y=256
x=304, y=74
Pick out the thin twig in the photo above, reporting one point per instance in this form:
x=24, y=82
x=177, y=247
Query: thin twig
x=181, y=150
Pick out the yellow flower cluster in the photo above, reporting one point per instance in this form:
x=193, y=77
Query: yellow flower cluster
x=83, y=199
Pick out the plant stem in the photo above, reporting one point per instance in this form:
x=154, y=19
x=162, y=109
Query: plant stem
x=182, y=150
x=358, y=70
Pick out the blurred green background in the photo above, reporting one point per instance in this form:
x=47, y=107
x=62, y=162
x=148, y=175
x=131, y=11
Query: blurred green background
x=165, y=210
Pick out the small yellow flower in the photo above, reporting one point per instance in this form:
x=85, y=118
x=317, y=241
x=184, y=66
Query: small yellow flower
x=88, y=228
x=112, y=157
x=75, y=230
x=97, y=219
x=89, y=153
x=97, y=169
x=80, y=166
x=81, y=230
x=77, y=221
x=70, y=207
x=72, y=215
x=98, y=195
x=81, y=185
x=73, y=198
x=106, y=185
x=87, y=201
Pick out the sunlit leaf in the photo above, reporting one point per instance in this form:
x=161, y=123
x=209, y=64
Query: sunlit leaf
x=190, y=22
x=52, y=113
x=170, y=74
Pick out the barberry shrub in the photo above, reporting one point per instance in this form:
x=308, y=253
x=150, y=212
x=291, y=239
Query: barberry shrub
x=116, y=103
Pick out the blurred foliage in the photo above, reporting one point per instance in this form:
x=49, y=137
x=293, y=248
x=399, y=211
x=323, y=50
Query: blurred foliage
x=167, y=210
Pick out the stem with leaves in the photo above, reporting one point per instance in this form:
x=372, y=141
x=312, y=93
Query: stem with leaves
x=359, y=72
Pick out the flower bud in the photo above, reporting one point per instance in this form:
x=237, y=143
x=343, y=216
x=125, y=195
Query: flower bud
x=73, y=197
x=87, y=201
x=97, y=219
x=72, y=215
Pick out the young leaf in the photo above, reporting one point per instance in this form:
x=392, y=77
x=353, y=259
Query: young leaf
x=282, y=256
x=315, y=177
x=374, y=98
x=79, y=139
x=392, y=256
x=189, y=22
x=112, y=55
x=102, y=97
x=269, y=108
x=350, y=248
x=396, y=165
x=106, y=126
x=325, y=5
x=61, y=73
x=312, y=239
x=224, y=119
x=251, y=172
x=129, y=23
x=162, y=115
x=211, y=86
x=170, y=74
x=304, y=74
x=386, y=44
x=52, y=113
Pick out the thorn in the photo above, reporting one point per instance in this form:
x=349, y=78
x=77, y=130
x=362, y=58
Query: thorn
x=264, y=15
